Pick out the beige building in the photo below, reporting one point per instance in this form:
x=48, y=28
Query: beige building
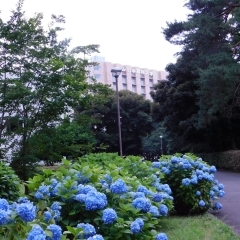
x=135, y=79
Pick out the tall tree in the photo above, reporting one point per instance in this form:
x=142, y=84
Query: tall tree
x=41, y=80
x=203, y=81
x=136, y=121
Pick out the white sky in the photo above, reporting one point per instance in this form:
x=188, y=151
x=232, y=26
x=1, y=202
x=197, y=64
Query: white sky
x=128, y=31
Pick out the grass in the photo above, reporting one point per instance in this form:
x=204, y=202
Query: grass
x=204, y=227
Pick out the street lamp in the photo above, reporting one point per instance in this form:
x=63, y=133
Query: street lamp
x=161, y=145
x=115, y=73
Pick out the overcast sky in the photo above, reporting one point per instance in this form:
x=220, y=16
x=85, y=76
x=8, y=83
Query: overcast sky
x=128, y=31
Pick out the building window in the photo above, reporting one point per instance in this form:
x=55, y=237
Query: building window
x=133, y=80
x=124, y=86
x=97, y=67
x=151, y=82
x=124, y=79
x=142, y=81
x=134, y=88
x=151, y=88
x=114, y=86
x=143, y=90
x=97, y=76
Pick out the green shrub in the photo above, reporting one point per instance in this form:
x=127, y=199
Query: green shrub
x=192, y=182
x=127, y=184
x=9, y=183
x=229, y=160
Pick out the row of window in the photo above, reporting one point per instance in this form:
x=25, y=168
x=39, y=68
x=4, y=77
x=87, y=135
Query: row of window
x=124, y=80
x=133, y=89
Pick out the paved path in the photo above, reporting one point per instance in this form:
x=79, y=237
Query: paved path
x=230, y=213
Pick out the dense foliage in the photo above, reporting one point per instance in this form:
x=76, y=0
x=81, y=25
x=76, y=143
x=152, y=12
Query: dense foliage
x=9, y=183
x=136, y=121
x=41, y=81
x=199, y=104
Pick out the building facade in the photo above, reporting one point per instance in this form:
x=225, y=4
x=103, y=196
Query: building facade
x=135, y=79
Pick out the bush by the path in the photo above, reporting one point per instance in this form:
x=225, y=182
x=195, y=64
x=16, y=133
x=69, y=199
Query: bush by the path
x=195, y=190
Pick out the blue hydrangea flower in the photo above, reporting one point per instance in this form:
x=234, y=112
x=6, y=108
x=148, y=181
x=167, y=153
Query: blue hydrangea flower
x=96, y=237
x=23, y=200
x=217, y=206
x=88, y=230
x=198, y=193
x=26, y=211
x=194, y=180
x=109, y=216
x=119, y=187
x=36, y=233
x=186, y=165
x=95, y=201
x=139, y=194
x=161, y=236
x=221, y=193
x=54, y=182
x=3, y=217
x=137, y=225
x=43, y=191
x=143, y=189
x=201, y=203
x=85, y=189
x=157, y=197
x=212, y=194
x=4, y=204
x=174, y=160
x=165, y=170
x=81, y=178
x=142, y=203
x=81, y=198
x=39, y=196
x=54, y=189
x=47, y=216
x=186, y=181
x=156, y=164
x=166, y=188
x=163, y=209
x=213, y=169
x=220, y=186
x=56, y=215
x=56, y=206
x=56, y=231
x=154, y=211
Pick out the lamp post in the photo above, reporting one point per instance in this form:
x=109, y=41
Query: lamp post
x=115, y=73
x=161, y=145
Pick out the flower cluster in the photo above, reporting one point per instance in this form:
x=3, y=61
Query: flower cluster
x=43, y=192
x=119, y=187
x=137, y=225
x=142, y=203
x=109, y=216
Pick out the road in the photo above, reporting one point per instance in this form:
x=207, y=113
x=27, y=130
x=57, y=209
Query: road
x=230, y=213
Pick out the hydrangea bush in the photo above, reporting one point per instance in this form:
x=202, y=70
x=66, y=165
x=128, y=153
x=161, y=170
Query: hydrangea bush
x=90, y=199
x=192, y=181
